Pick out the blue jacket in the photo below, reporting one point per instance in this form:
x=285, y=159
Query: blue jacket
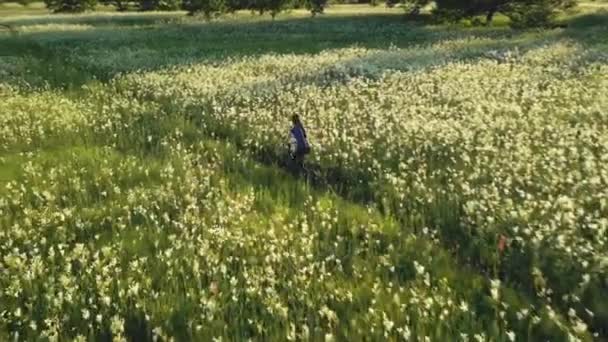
x=299, y=133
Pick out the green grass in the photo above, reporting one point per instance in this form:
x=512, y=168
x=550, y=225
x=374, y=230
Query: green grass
x=8, y=9
x=120, y=184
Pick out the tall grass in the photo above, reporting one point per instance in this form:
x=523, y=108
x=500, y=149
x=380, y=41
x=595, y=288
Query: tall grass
x=141, y=194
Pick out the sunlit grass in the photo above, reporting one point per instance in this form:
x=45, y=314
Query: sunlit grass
x=142, y=192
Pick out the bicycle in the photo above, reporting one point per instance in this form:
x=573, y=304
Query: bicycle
x=311, y=176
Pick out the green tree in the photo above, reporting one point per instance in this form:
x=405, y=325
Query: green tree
x=454, y=10
x=71, y=6
x=539, y=13
x=316, y=6
x=159, y=5
x=207, y=7
x=413, y=7
x=121, y=5
x=521, y=12
x=258, y=6
x=273, y=7
x=232, y=6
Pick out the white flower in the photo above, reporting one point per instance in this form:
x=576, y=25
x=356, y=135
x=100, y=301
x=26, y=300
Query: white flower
x=419, y=268
x=580, y=327
x=405, y=333
x=586, y=278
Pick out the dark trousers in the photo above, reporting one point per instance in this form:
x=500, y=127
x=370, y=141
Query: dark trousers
x=297, y=163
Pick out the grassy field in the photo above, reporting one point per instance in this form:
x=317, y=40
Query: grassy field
x=142, y=192
x=11, y=9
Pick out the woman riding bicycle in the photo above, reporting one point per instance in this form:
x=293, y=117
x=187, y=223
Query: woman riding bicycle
x=298, y=146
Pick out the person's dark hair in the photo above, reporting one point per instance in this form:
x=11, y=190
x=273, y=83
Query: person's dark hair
x=295, y=119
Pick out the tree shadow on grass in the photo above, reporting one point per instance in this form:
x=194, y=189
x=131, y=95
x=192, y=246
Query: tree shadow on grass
x=235, y=39
x=101, y=52
x=119, y=45
x=590, y=28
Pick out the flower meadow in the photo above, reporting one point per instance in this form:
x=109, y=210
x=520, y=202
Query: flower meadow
x=460, y=189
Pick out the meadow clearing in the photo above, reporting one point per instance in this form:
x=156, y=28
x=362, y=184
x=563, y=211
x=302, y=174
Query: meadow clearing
x=142, y=197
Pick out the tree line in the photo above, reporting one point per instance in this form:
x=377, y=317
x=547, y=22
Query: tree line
x=209, y=8
x=522, y=13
